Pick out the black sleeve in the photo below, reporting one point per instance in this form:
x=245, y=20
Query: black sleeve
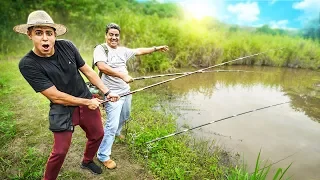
x=79, y=60
x=34, y=76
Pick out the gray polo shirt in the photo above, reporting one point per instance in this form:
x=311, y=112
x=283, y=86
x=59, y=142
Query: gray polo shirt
x=116, y=59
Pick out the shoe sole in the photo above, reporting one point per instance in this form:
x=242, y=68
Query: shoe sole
x=84, y=167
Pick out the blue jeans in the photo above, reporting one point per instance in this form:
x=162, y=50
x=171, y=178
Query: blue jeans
x=117, y=113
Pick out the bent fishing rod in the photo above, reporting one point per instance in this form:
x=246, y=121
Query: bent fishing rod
x=182, y=73
x=222, y=119
x=193, y=72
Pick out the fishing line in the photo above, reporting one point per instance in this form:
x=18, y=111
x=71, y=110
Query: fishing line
x=187, y=74
x=174, y=74
x=186, y=130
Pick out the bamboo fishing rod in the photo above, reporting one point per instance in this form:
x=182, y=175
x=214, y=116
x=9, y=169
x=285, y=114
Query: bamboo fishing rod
x=193, y=72
x=222, y=119
x=182, y=73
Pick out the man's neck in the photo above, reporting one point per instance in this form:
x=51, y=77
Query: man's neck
x=38, y=53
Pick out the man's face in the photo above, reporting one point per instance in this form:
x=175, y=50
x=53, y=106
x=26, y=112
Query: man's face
x=43, y=40
x=113, y=37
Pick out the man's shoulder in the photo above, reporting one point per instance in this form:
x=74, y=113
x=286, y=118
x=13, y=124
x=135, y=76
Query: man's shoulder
x=27, y=59
x=64, y=43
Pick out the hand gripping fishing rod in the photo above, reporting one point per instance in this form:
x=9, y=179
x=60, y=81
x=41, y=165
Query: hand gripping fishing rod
x=173, y=134
x=174, y=74
x=193, y=72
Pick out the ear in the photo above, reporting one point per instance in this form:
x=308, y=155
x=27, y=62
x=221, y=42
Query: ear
x=29, y=35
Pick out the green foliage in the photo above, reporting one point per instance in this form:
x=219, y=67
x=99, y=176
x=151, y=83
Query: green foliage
x=7, y=124
x=197, y=43
x=266, y=29
x=312, y=29
x=31, y=165
x=175, y=157
x=260, y=172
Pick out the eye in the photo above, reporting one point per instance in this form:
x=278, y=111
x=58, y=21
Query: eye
x=38, y=33
x=117, y=35
x=49, y=33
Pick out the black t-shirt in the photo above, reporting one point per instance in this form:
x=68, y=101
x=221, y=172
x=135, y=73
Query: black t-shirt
x=59, y=70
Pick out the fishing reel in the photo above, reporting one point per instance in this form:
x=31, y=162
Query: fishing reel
x=94, y=90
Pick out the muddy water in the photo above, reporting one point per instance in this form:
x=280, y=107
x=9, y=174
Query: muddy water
x=290, y=131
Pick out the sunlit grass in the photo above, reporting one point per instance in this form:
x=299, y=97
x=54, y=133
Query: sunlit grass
x=261, y=172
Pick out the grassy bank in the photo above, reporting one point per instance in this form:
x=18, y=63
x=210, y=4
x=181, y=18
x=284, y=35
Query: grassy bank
x=26, y=140
x=192, y=42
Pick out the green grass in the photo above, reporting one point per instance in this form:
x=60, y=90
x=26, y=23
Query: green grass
x=27, y=141
x=20, y=126
x=7, y=123
x=261, y=172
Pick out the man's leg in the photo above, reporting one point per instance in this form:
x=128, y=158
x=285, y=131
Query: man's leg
x=125, y=113
x=59, y=151
x=90, y=122
x=113, y=110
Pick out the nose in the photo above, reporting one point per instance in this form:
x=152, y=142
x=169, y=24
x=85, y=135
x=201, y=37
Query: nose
x=45, y=37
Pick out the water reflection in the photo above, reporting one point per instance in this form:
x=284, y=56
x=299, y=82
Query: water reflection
x=278, y=131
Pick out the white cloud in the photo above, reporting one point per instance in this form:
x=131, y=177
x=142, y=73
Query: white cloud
x=246, y=12
x=282, y=24
x=272, y=2
x=308, y=6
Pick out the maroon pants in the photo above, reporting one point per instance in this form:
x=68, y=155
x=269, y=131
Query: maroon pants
x=90, y=122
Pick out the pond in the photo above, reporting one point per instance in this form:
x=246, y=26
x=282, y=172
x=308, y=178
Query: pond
x=287, y=133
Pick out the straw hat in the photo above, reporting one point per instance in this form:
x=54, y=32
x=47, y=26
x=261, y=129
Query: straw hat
x=40, y=18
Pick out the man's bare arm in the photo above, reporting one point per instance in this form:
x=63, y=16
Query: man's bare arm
x=142, y=51
x=59, y=97
x=106, y=69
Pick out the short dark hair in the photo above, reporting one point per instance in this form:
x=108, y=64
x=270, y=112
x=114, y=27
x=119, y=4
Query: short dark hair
x=112, y=26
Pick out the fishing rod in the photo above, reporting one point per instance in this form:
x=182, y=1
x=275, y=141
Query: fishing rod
x=187, y=74
x=186, y=130
x=182, y=73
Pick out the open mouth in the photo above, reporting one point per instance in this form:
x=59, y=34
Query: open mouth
x=45, y=46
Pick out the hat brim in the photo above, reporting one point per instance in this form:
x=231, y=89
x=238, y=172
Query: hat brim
x=23, y=28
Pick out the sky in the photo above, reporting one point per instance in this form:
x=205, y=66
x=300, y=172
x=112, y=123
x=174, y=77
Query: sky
x=285, y=14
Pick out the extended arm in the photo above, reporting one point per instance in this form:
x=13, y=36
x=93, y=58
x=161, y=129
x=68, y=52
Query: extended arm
x=142, y=51
x=59, y=97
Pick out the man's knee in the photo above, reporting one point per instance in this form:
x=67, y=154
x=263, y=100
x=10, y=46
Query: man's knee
x=97, y=135
x=60, y=152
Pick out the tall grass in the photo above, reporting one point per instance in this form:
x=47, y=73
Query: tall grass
x=261, y=172
x=192, y=42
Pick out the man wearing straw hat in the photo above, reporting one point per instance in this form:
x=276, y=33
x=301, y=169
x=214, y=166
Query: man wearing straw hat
x=111, y=59
x=52, y=68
